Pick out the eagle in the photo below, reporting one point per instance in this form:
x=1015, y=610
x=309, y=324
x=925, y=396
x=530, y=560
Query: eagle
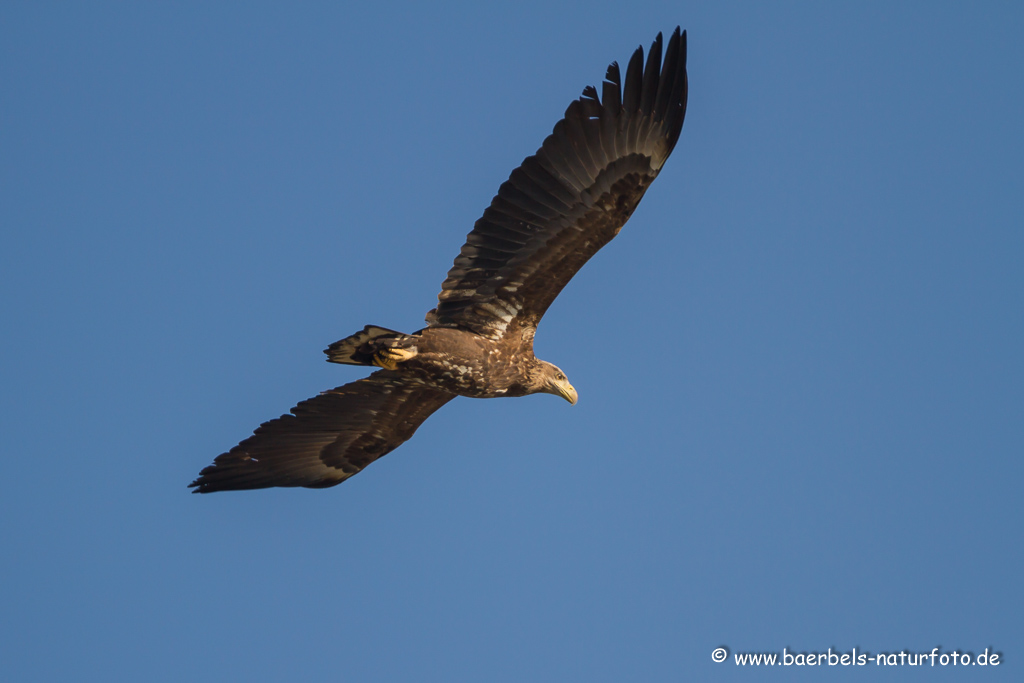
x=553, y=213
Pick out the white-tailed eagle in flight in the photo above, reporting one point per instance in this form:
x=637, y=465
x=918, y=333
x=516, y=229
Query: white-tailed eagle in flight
x=553, y=213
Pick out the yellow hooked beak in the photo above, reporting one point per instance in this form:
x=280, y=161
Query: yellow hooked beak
x=566, y=391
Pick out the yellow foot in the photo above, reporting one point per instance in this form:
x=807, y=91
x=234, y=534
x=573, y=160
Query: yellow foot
x=390, y=358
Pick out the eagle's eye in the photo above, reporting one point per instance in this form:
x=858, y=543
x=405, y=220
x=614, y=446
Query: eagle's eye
x=559, y=377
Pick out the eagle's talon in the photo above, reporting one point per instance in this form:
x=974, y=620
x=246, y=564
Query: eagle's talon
x=390, y=358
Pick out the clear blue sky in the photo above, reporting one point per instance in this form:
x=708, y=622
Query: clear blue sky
x=800, y=366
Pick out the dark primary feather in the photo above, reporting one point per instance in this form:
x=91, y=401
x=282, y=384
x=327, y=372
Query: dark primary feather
x=569, y=199
x=328, y=438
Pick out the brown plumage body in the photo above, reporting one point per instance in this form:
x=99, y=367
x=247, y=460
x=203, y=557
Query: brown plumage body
x=548, y=219
x=468, y=364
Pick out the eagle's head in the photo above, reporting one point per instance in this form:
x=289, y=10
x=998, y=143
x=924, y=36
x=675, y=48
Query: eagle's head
x=551, y=380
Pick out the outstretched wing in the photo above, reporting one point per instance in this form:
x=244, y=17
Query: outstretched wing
x=328, y=438
x=569, y=199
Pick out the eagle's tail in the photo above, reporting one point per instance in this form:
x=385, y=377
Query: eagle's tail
x=359, y=349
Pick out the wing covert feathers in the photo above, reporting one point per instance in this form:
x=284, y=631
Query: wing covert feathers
x=570, y=198
x=328, y=438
